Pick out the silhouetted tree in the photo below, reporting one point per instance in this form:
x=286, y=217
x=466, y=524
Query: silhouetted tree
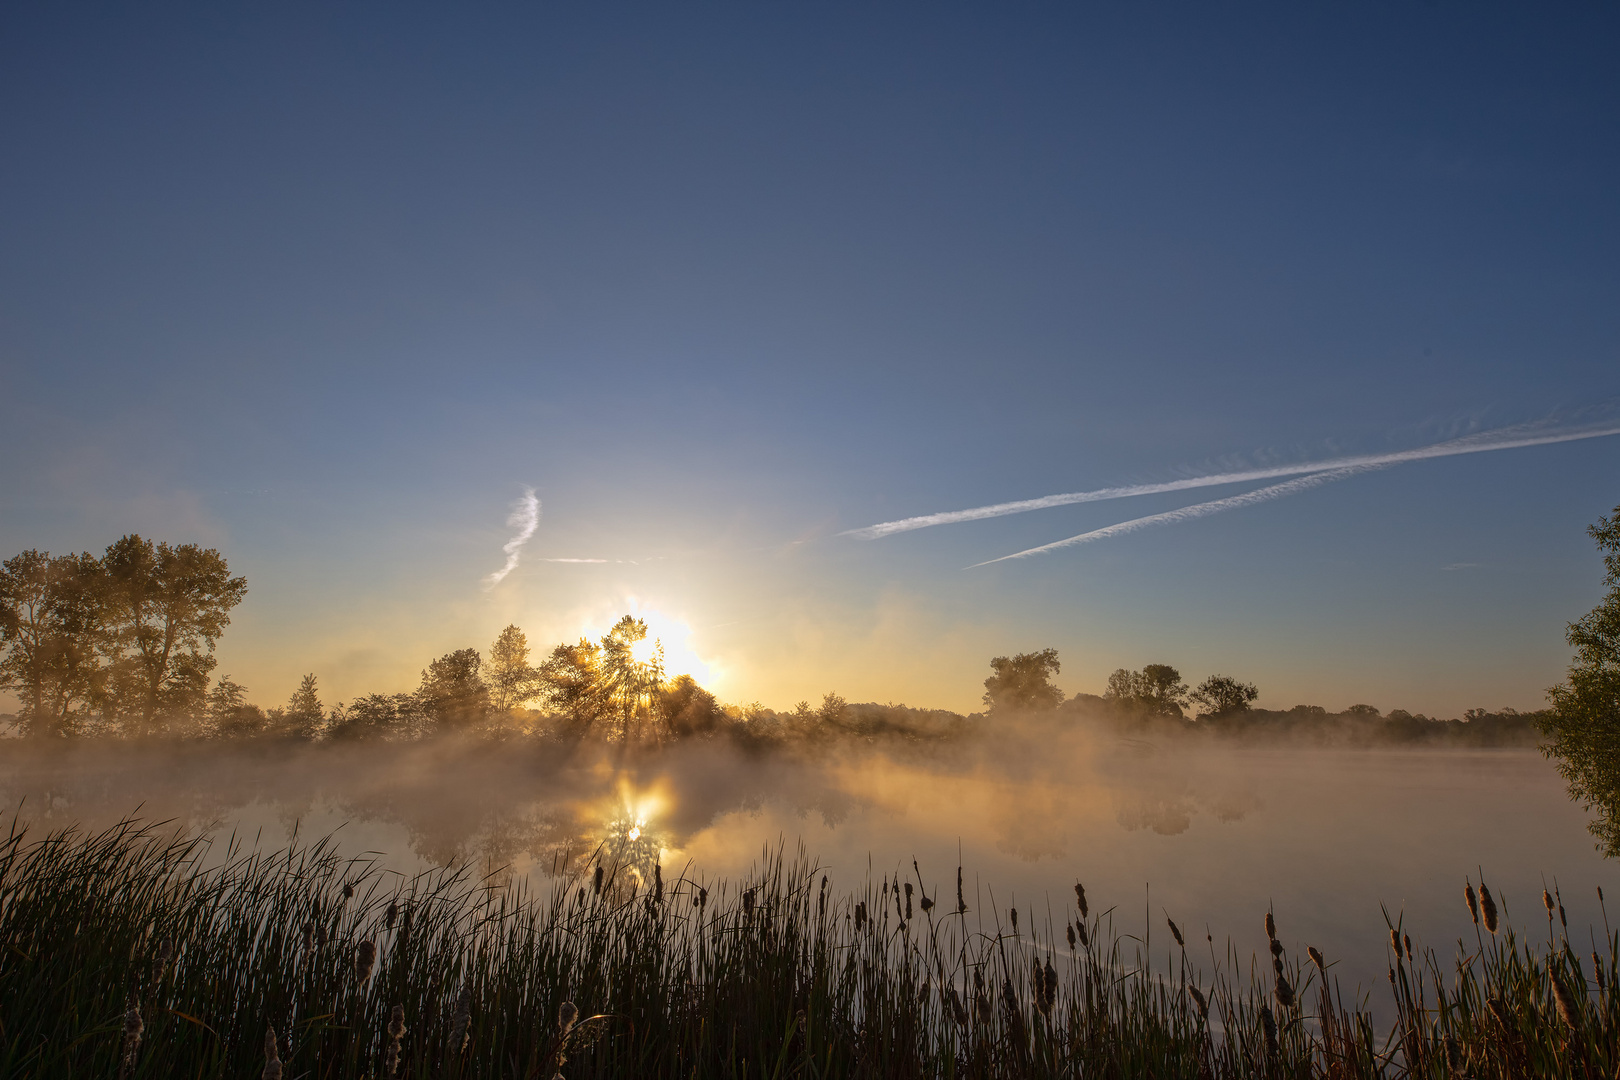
x=631, y=684
x=51, y=629
x=511, y=679
x=1363, y=710
x=377, y=716
x=232, y=717
x=453, y=694
x=1583, y=723
x=1156, y=690
x=1222, y=695
x=1023, y=682
x=687, y=708
x=165, y=607
x=834, y=711
x=571, y=682
x=304, y=715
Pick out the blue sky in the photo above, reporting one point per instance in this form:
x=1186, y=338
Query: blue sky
x=328, y=286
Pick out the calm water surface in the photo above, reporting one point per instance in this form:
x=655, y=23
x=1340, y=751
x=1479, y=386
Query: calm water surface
x=1207, y=834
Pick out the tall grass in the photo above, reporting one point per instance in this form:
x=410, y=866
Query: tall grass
x=135, y=953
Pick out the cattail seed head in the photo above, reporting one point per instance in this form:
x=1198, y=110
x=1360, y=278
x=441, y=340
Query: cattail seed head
x=567, y=1017
x=1277, y=964
x=1271, y=927
x=1276, y=947
x=365, y=958
x=392, y=915
x=926, y=903
x=1014, y=913
x=1568, y=1009
x=1395, y=941
x=396, y=1032
x=1487, y=907
x=1406, y=939
x=1285, y=992
x=1597, y=971
x=1473, y=902
x=1070, y=929
x=348, y=891
x=1547, y=902
x=1268, y=1023
x=1080, y=899
x=133, y=1026
x=460, y=1021
x=1562, y=921
x=1085, y=939
x=309, y=936
x=1316, y=958
x=272, y=1056
x=1198, y=997
x=1175, y=932
x=961, y=901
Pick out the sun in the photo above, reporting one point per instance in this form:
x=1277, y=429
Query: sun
x=645, y=650
x=673, y=633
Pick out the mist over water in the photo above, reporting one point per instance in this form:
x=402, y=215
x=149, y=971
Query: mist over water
x=1210, y=834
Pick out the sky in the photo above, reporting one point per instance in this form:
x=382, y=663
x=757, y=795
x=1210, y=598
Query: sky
x=333, y=287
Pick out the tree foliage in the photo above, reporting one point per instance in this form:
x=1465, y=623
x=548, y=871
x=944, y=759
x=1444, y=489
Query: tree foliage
x=1156, y=690
x=1222, y=695
x=51, y=627
x=511, y=679
x=1023, y=682
x=1583, y=724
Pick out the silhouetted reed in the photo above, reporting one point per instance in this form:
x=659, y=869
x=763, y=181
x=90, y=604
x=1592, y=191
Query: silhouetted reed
x=772, y=975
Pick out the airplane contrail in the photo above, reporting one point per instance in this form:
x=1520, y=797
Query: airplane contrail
x=1501, y=439
x=525, y=518
x=1198, y=510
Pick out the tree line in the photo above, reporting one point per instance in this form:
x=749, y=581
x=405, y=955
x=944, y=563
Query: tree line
x=1023, y=683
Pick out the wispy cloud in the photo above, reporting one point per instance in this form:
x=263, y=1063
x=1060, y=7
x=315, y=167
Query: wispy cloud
x=1198, y=510
x=1501, y=439
x=525, y=518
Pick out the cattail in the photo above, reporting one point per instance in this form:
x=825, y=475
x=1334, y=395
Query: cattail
x=1285, y=992
x=460, y=1021
x=1047, y=990
x=1547, y=902
x=1080, y=898
x=926, y=903
x=658, y=883
x=1454, y=1055
x=961, y=903
x=596, y=882
x=309, y=936
x=1316, y=958
x=702, y=898
x=748, y=901
x=320, y=933
x=1070, y=929
x=396, y=1032
x=1199, y=999
x=1276, y=947
x=1277, y=964
x=405, y=924
x=1014, y=913
x=1488, y=907
x=365, y=958
x=133, y=1026
x=1406, y=939
x=1269, y=1024
x=1271, y=927
x=1498, y=1010
x=1597, y=970
x=1567, y=1006
x=391, y=915
x=1562, y=921
x=959, y=1011
x=1473, y=903
x=1395, y=942
x=348, y=891
x=1084, y=938
x=860, y=915
x=1175, y=931
x=272, y=1056
x=908, y=901
x=567, y=1017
